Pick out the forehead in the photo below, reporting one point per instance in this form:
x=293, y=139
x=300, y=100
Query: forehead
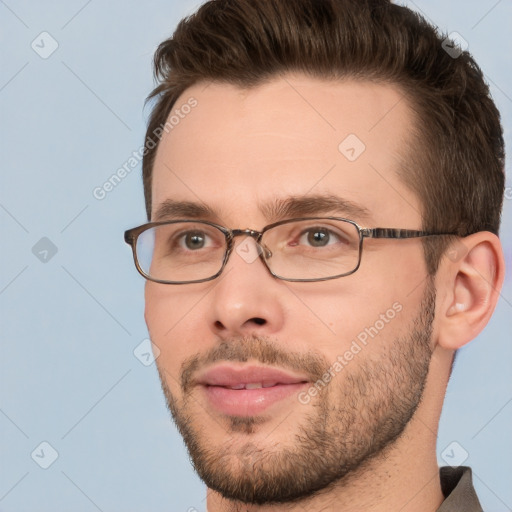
x=238, y=149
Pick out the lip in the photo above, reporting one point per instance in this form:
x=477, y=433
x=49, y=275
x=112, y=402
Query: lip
x=218, y=385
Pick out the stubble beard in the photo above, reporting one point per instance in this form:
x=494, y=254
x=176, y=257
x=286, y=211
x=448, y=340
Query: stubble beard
x=351, y=422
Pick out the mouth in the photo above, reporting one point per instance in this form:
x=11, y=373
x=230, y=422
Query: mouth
x=248, y=390
x=253, y=385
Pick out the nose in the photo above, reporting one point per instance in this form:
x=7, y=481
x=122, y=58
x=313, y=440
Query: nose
x=246, y=299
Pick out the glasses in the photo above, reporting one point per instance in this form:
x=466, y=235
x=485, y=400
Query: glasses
x=303, y=250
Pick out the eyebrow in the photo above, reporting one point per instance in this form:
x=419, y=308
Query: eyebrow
x=318, y=204
x=171, y=209
x=278, y=209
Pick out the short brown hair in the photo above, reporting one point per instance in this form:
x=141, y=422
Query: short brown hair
x=456, y=166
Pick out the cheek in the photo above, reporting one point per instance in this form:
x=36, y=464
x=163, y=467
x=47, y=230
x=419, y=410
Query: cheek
x=356, y=308
x=174, y=327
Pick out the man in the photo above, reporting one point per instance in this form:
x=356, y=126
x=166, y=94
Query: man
x=323, y=181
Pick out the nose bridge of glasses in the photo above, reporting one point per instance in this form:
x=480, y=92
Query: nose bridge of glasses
x=247, y=232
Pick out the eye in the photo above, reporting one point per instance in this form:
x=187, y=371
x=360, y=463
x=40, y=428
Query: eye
x=318, y=237
x=194, y=240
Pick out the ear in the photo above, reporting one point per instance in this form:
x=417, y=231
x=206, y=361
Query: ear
x=468, y=283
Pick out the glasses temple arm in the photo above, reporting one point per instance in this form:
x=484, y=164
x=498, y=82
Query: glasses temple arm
x=398, y=233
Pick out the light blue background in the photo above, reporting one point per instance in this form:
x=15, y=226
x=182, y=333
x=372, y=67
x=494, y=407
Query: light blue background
x=69, y=326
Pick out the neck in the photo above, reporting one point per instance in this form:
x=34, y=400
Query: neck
x=404, y=477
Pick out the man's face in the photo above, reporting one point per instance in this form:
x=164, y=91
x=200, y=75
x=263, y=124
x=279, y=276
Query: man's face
x=337, y=367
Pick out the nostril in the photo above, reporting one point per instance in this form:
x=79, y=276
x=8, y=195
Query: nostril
x=259, y=321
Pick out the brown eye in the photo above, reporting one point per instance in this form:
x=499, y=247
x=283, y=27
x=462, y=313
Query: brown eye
x=318, y=237
x=194, y=240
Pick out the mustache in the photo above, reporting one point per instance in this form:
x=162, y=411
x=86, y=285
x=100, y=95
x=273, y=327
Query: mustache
x=261, y=349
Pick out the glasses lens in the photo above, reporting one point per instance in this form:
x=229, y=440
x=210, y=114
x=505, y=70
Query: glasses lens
x=181, y=251
x=312, y=249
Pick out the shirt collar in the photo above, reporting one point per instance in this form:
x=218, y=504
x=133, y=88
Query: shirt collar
x=457, y=487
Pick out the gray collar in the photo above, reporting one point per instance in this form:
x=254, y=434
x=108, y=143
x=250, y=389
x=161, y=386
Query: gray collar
x=457, y=487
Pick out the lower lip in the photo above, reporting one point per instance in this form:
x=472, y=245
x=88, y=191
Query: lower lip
x=249, y=402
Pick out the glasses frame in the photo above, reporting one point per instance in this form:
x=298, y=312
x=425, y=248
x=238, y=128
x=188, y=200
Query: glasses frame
x=131, y=236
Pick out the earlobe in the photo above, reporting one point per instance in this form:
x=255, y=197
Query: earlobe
x=471, y=284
